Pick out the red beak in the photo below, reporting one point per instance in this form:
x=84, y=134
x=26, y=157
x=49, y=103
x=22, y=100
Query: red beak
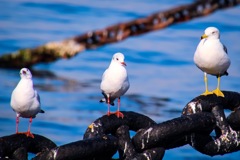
x=123, y=63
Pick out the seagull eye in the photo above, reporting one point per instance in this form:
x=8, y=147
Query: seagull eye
x=117, y=59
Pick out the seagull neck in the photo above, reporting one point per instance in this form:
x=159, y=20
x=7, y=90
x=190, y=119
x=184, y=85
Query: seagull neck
x=115, y=65
x=213, y=38
x=27, y=81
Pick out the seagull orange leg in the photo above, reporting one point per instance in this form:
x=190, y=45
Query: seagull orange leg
x=28, y=133
x=118, y=113
x=17, y=122
x=108, y=102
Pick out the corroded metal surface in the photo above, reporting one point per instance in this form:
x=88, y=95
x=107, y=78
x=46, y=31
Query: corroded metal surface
x=118, y=32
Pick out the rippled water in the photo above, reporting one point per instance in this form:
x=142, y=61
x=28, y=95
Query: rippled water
x=162, y=74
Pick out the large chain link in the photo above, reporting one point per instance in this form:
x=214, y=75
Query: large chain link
x=118, y=32
x=153, y=22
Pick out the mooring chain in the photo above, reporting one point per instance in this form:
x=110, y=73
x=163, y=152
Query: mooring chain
x=227, y=135
x=110, y=134
x=153, y=22
x=118, y=32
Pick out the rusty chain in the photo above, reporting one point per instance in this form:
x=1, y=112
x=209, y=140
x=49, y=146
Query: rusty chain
x=118, y=32
x=153, y=22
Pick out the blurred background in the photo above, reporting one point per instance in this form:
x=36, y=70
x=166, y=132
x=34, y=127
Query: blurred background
x=160, y=64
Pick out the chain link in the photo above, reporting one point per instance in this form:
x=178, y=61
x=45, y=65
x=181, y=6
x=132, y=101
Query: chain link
x=118, y=32
x=153, y=22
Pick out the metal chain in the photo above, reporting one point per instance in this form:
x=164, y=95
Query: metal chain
x=118, y=32
x=153, y=22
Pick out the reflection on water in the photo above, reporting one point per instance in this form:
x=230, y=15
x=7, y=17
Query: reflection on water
x=52, y=82
x=161, y=71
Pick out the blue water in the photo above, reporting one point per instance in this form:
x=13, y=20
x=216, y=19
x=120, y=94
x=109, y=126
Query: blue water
x=162, y=74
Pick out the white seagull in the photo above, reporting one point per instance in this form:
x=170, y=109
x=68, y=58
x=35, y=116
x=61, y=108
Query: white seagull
x=25, y=101
x=114, y=82
x=212, y=58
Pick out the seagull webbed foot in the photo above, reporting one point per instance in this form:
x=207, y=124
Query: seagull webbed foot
x=28, y=134
x=218, y=92
x=206, y=93
x=109, y=113
x=119, y=114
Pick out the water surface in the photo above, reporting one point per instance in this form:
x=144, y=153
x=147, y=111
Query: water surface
x=162, y=74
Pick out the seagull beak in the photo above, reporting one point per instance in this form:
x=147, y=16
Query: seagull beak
x=204, y=36
x=123, y=63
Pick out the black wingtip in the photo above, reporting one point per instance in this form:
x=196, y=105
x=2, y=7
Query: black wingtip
x=42, y=111
x=103, y=100
x=226, y=73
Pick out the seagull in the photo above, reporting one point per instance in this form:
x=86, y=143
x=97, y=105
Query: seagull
x=211, y=57
x=115, y=82
x=25, y=101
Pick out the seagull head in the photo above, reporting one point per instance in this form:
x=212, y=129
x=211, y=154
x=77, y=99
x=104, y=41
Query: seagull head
x=25, y=73
x=211, y=33
x=119, y=59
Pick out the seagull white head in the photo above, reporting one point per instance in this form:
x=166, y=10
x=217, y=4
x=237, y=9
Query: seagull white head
x=211, y=33
x=25, y=73
x=119, y=58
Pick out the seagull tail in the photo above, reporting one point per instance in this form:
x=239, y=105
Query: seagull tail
x=226, y=73
x=104, y=100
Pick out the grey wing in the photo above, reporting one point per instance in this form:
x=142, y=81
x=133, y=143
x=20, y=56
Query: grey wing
x=38, y=98
x=104, y=74
x=37, y=95
x=225, y=48
x=103, y=78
